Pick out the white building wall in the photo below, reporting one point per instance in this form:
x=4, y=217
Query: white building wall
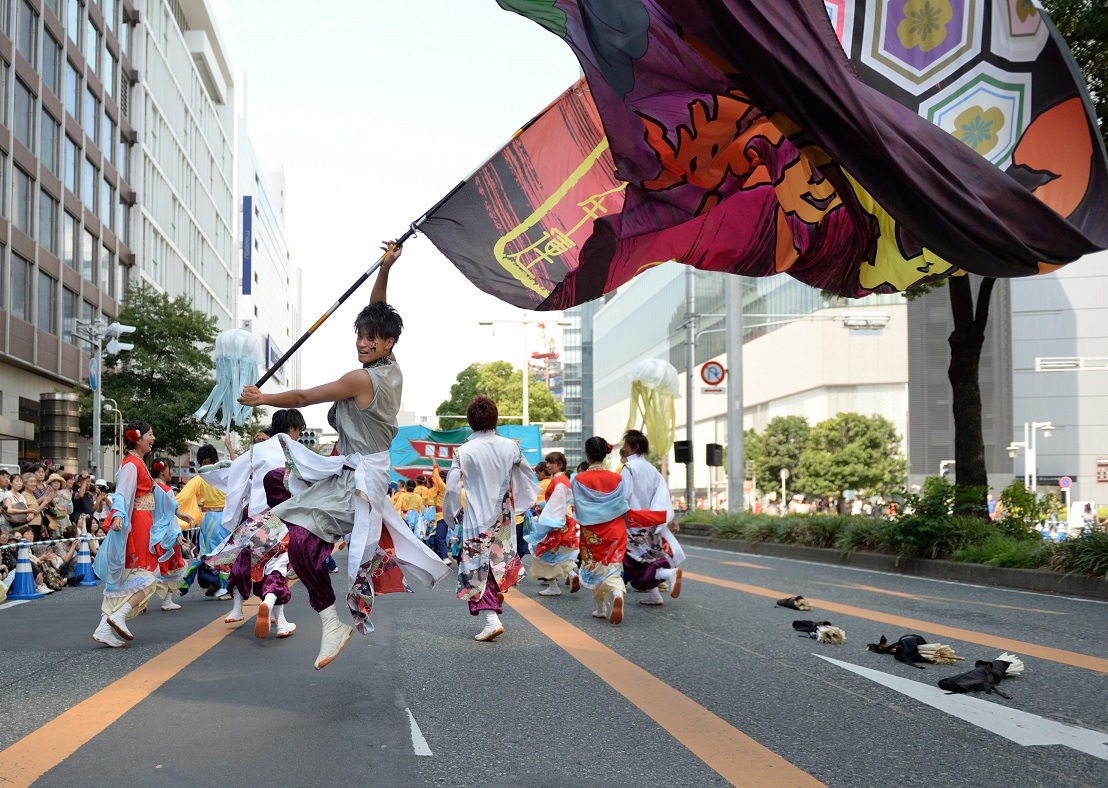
x=810, y=367
x=182, y=231
x=1063, y=314
x=271, y=308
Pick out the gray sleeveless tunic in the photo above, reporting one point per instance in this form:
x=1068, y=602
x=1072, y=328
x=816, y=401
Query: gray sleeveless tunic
x=327, y=507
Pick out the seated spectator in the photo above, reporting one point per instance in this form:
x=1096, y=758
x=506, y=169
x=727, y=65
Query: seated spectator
x=7, y=559
x=66, y=552
x=50, y=564
x=28, y=534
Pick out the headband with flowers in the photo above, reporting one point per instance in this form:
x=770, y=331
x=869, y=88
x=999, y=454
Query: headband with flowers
x=132, y=435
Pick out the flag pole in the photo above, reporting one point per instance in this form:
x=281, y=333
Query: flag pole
x=412, y=230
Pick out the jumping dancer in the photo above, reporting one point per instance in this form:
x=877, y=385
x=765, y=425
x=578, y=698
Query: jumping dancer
x=647, y=563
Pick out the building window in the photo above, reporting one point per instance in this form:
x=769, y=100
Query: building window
x=90, y=178
x=51, y=57
x=69, y=314
x=88, y=312
x=107, y=272
x=73, y=22
x=124, y=163
x=92, y=115
x=47, y=303
x=70, y=228
x=107, y=7
x=5, y=70
x=48, y=222
x=21, y=288
x=53, y=6
x=71, y=164
x=5, y=17
x=24, y=115
x=121, y=224
x=88, y=256
x=28, y=32
x=22, y=194
x=50, y=131
x=92, y=46
x=106, y=202
x=72, y=91
x=111, y=69
x=107, y=130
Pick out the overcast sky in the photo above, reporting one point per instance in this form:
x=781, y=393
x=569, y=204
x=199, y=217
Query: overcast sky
x=375, y=110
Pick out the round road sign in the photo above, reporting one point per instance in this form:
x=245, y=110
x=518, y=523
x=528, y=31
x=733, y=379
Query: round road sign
x=1065, y=482
x=712, y=373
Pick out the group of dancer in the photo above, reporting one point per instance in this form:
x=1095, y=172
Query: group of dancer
x=280, y=506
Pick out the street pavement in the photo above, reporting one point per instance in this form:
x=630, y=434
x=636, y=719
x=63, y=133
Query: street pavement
x=713, y=688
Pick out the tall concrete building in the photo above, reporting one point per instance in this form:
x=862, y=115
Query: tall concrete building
x=118, y=142
x=67, y=165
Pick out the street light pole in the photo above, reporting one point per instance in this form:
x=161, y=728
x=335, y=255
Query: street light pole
x=690, y=341
x=526, y=382
x=736, y=458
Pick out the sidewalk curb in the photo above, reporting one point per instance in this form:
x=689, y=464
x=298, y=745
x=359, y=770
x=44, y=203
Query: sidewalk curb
x=1039, y=580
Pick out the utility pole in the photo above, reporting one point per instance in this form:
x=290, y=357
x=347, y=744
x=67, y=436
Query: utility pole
x=95, y=333
x=736, y=457
x=690, y=347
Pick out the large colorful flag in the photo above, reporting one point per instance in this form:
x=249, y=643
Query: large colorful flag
x=857, y=145
x=416, y=450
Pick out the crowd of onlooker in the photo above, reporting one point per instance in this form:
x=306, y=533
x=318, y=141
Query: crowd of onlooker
x=50, y=510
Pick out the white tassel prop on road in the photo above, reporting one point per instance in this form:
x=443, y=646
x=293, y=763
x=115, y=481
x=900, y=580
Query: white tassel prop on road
x=939, y=653
x=832, y=635
x=1015, y=664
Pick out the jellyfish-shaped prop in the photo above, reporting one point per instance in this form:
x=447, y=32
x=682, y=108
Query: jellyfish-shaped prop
x=654, y=385
x=238, y=356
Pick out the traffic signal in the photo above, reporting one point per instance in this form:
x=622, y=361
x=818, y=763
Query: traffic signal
x=309, y=437
x=682, y=452
x=713, y=454
x=114, y=332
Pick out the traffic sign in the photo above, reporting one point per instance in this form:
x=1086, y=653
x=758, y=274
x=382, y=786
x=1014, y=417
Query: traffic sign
x=712, y=373
x=713, y=389
x=93, y=374
x=1065, y=482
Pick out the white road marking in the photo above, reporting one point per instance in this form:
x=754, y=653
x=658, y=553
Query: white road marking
x=1021, y=727
x=13, y=603
x=419, y=744
x=961, y=583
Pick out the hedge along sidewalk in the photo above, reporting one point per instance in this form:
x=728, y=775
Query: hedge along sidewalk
x=1039, y=580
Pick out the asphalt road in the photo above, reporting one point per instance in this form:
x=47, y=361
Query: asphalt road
x=711, y=689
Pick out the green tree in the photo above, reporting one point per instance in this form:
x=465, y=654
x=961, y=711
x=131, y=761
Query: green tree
x=852, y=452
x=168, y=374
x=503, y=383
x=779, y=446
x=1084, y=25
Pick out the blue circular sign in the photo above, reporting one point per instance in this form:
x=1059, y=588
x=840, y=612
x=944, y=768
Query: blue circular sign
x=93, y=374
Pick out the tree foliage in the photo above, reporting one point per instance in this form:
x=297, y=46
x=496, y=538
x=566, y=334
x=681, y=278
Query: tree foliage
x=780, y=446
x=167, y=375
x=852, y=451
x=504, y=384
x=1084, y=25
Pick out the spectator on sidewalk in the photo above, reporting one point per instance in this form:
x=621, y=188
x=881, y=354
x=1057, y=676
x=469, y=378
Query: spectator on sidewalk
x=17, y=511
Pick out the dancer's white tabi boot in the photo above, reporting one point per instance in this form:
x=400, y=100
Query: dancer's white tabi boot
x=168, y=603
x=284, y=626
x=105, y=635
x=615, y=613
x=493, y=628
x=118, y=622
x=235, y=615
x=335, y=636
x=261, y=624
x=551, y=589
x=653, y=598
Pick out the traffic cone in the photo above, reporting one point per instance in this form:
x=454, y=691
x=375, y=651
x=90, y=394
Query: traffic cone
x=84, y=564
x=23, y=587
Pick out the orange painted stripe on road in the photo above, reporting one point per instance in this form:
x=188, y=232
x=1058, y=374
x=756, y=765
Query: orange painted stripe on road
x=915, y=625
x=875, y=590
x=41, y=750
x=748, y=566
x=731, y=753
